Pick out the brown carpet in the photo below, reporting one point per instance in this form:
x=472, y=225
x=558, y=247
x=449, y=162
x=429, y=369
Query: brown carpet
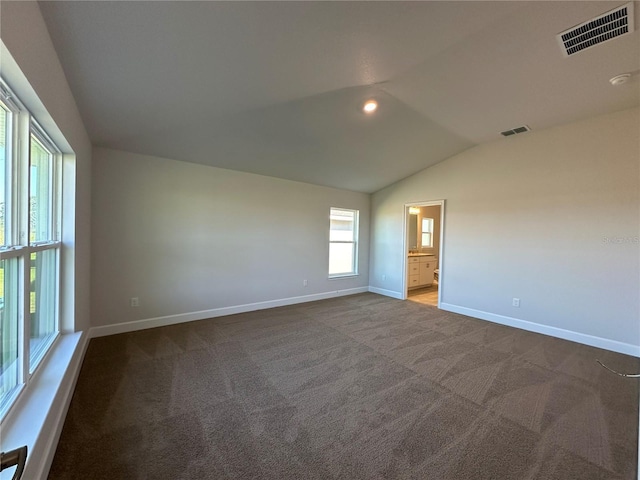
x=359, y=387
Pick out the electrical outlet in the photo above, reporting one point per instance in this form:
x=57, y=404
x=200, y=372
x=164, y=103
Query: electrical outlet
x=135, y=302
x=516, y=302
x=384, y=277
x=304, y=283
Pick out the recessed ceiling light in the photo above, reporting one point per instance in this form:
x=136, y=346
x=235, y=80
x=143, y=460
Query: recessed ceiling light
x=620, y=79
x=370, y=106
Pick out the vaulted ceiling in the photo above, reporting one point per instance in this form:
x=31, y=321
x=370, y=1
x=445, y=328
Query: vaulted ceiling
x=276, y=88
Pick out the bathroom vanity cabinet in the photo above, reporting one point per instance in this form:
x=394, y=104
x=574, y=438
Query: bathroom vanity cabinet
x=420, y=269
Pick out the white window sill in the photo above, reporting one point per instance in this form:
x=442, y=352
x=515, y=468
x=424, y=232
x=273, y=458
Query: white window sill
x=345, y=275
x=37, y=416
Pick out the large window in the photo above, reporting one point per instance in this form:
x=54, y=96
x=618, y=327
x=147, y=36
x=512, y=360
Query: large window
x=30, y=194
x=343, y=242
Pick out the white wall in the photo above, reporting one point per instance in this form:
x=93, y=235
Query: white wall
x=551, y=217
x=31, y=67
x=186, y=238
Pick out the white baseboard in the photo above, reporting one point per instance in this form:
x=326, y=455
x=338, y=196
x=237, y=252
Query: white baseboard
x=66, y=360
x=593, y=341
x=216, y=312
x=386, y=293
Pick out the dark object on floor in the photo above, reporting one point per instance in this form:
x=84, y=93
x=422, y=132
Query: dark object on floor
x=14, y=458
x=628, y=375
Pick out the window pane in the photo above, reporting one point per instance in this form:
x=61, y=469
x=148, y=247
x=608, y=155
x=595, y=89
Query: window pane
x=4, y=155
x=342, y=225
x=42, y=302
x=427, y=232
x=342, y=237
x=8, y=328
x=426, y=240
x=40, y=194
x=341, y=258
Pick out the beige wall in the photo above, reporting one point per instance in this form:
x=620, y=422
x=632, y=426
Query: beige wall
x=550, y=217
x=187, y=238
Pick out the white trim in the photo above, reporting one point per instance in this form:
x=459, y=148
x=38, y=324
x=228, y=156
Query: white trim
x=59, y=410
x=216, y=312
x=25, y=132
x=40, y=414
x=599, y=342
x=386, y=293
x=405, y=245
x=12, y=252
x=37, y=417
x=354, y=243
x=41, y=247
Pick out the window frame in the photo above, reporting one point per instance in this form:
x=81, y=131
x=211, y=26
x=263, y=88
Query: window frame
x=18, y=244
x=13, y=175
x=429, y=230
x=55, y=183
x=354, y=242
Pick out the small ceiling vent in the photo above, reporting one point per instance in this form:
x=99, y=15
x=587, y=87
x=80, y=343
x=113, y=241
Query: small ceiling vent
x=601, y=29
x=515, y=131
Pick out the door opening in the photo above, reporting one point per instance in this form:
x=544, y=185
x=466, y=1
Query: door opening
x=423, y=252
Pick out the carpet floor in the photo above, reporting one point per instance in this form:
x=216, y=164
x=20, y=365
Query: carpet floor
x=358, y=387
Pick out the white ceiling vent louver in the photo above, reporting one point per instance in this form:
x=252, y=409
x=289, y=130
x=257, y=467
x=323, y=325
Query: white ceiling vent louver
x=601, y=29
x=515, y=131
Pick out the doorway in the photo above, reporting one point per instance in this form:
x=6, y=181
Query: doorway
x=423, y=246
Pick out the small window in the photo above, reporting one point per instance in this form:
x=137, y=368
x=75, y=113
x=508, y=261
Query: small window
x=343, y=242
x=427, y=232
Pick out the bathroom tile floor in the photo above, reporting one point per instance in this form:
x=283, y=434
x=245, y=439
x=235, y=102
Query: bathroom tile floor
x=425, y=295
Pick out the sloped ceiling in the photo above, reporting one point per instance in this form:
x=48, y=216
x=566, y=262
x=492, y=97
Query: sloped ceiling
x=276, y=88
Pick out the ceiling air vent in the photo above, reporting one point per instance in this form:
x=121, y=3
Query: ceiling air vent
x=601, y=29
x=514, y=131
